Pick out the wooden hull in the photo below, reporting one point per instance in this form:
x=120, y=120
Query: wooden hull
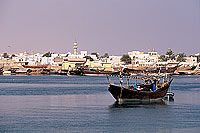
x=153, y=70
x=122, y=93
x=40, y=66
x=76, y=72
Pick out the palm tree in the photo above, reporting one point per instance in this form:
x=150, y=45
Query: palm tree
x=126, y=59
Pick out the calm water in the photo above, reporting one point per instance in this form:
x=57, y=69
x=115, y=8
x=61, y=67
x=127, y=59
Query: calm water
x=83, y=104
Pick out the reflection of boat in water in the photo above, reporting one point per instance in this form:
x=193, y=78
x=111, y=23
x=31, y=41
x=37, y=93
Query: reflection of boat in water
x=136, y=104
x=150, y=89
x=169, y=96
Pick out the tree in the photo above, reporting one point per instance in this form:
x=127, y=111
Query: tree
x=172, y=57
x=126, y=59
x=48, y=54
x=105, y=55
x=5, y=55
x=12, y=56
x=180, y=57
x=163, y=58
x=89, y=58
x=170, y=54
x=95, y=53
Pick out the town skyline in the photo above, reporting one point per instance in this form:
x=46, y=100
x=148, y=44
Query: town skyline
x=100, y=54
x=112, y=26
x=79, y=52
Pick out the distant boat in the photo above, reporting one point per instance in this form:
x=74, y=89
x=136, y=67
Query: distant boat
x=20, y=72
x=140, y=92
x=1, y=71
x=93, y=72
x=38, y=66
x=76, y=72
x=7, y=72
x=151, y=70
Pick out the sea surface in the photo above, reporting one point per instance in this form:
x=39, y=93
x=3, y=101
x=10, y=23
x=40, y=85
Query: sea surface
x=83, y=104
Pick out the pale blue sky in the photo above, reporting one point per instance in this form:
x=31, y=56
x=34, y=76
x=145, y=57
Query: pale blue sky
x=113, y=26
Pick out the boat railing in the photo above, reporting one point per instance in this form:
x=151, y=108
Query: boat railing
x=143, y=82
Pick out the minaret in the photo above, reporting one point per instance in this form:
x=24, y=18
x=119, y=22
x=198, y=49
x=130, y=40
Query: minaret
x=75, y=47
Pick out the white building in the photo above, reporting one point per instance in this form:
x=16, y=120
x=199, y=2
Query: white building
x=133, y=54
x=144, y=59
x=84, y=53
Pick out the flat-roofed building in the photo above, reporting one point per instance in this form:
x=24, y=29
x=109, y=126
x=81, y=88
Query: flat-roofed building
x=73, y=63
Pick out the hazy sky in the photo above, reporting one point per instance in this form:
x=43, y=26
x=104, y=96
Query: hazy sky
x=113, y=26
